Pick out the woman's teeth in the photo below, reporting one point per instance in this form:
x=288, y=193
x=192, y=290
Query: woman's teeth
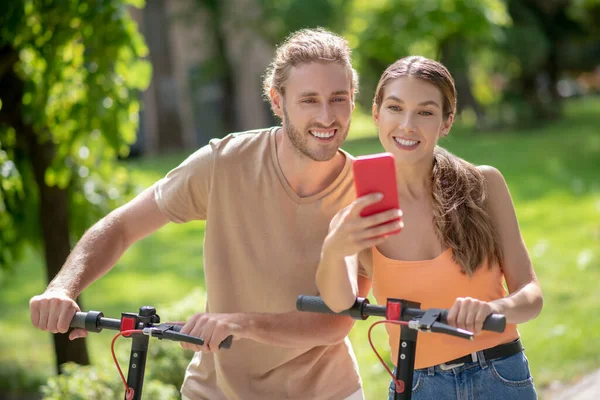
x=406, y=142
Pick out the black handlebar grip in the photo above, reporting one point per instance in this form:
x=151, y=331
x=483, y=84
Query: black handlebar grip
x=78, y=320
x=493, y=322
x=225, y=344
x=315, y=304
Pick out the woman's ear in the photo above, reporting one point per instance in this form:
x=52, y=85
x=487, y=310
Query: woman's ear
x=447, y=125
x=375, y=113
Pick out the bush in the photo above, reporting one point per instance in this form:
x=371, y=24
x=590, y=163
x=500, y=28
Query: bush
x=19, y=381
x=98, y=383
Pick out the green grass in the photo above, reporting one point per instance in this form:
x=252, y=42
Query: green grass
x=552, y=172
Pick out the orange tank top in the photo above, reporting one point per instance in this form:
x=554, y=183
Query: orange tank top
x=436, y=284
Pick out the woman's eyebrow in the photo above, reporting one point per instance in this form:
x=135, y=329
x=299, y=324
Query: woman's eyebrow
x=425, y=103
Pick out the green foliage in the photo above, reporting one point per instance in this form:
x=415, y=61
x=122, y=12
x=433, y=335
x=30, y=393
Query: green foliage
x=80, y=65
x=99, y=383
x=384, y=31
x=17, y=379
x=280, y=17
x=12, y=195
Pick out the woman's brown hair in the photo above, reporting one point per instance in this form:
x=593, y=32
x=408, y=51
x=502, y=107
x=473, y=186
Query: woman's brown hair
x=460, y=215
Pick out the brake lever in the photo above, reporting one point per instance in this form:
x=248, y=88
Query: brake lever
x=171, y=332
x=166, y=331
x=452, y=331
x=439, y=327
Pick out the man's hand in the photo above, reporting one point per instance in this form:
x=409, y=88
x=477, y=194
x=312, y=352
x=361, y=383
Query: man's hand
x=53, y=311
x=213, y=329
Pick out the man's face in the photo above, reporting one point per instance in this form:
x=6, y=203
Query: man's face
x=317, y=107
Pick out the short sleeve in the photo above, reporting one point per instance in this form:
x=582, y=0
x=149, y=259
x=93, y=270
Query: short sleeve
x=183, y=194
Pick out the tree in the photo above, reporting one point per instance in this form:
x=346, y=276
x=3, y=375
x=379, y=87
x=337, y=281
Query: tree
x=548, y=40
x=281, y=17
x=219, y=67
x=70, y=72
x=451, y=31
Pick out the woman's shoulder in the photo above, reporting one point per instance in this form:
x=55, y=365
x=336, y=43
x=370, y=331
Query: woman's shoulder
x=497, y=192
x=493, y=178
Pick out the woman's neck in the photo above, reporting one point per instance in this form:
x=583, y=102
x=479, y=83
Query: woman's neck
x=414, y=180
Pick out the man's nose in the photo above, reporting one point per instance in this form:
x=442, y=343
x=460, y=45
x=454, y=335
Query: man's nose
x=326, y=116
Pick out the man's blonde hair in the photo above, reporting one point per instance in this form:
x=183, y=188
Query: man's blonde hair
x=306, y=46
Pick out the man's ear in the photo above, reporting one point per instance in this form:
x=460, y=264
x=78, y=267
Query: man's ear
x=375, y=113
x=276, y=102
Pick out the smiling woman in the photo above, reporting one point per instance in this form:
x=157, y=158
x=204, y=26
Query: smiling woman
x=460, y=241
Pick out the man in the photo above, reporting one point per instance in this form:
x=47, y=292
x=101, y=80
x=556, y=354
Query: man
x=267, y=197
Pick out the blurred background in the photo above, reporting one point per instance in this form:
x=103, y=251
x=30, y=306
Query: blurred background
x=99, y=99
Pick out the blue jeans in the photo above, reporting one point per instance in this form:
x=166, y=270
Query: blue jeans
x=499, y=379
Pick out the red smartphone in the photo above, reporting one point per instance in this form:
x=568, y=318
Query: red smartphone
x=376, y=173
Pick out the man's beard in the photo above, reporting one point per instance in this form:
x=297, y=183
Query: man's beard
x=300, y=141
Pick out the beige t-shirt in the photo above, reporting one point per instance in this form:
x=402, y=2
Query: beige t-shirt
x=261, y=250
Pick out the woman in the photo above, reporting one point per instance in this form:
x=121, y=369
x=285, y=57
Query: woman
x=459, y=241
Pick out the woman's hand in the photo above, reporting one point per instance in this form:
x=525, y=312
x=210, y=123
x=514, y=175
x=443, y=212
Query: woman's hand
x=349, y=233
x=468, y=313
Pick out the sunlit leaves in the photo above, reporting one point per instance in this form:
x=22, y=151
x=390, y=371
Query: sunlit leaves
x=82, y=68
x=383, y=31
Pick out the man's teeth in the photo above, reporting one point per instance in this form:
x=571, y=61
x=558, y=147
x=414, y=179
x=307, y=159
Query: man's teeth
x=323, y=134
x=406, y=142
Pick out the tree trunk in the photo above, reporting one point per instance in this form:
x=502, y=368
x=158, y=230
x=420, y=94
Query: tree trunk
x=230, y=123
x=54, y=220
x=157, y=33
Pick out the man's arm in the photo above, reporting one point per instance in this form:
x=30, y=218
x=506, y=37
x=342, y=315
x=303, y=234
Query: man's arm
x=292, y=329
x=94, y=255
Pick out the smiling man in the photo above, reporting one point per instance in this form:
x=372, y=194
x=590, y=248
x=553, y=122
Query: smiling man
x=267, y=197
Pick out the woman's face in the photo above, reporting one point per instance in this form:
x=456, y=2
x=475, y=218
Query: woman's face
x=410, y=119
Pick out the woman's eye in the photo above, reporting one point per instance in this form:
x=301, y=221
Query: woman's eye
x=308, y=101
x=394, y=108
x=426, y=113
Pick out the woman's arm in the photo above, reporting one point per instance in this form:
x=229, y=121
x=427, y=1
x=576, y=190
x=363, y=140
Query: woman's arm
x=349, y=234
x=525, y=299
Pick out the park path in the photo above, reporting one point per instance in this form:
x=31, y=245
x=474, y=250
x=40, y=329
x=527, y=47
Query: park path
x=587, y=388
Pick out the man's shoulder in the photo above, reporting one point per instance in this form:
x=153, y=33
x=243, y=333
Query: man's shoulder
x=241, y=147
x=243, y=138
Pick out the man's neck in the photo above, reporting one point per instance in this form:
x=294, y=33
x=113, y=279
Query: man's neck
x=306, y=177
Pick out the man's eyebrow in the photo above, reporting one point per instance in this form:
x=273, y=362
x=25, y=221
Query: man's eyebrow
x=336, y=93
x=425, y=103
